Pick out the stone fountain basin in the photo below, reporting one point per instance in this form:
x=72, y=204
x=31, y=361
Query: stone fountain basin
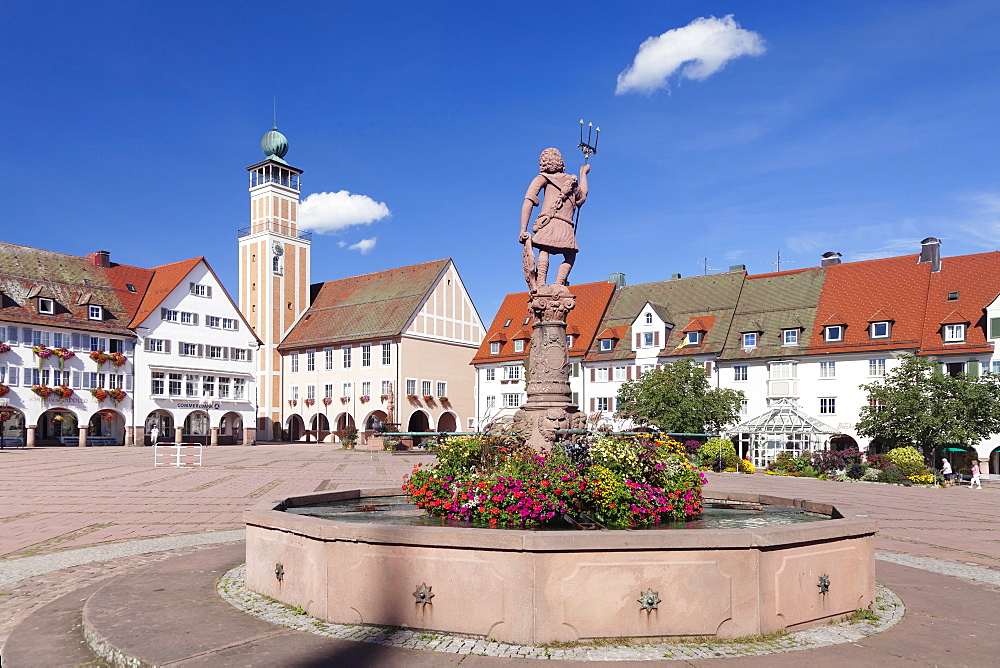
x=535, y=587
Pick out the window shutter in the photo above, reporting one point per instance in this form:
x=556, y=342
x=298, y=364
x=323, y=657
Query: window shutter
x=102, y=343
x=128, y=382
x=995, y=328
x=972, y=368
x=12, y=375
x=163, y=314
x=593, y=375
x=201, y=350
x=249, y=354
x=3, y=333
x=166, y=346
x=76, y=380
x=27, y=336
x=208, y=291
x=708, y=369
x=656, y=339
x=638, y=340
x=194, y=318
x=12, y=333
x=225, y=353
x=74, y=341
x=145, y=344
x=592, y=406
x=129, y=345
x=628, y=372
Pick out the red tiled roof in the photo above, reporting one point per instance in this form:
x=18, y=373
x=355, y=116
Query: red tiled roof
x=976, y=279
x=612, y=333
x=881, y=316
x=165, y=278
x=702, y=324
x=953, y=318
x=854, y=290
x=592, y=300
x=375, y=305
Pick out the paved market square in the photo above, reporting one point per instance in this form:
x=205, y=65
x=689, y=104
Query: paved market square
x=74, y=516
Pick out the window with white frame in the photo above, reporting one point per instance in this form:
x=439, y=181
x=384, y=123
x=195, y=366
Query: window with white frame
x=366, y=354
x=191, y=382
x=201, y=290
x=995, y=366
x=240, y=354
x=740, y=372
x=790, y=337
x=95, y=312
x=230, y=323
x=411, y=386
x=954, y=333
x=310, y=360
x=827, y=369
x=880, y=330
x=208, y=387
x=328, y=391
x=310, y=391
x=781, y=370
x=692, y=338
x=157, y=383
x=188, y=318
x=216, y=352
x=833, y=333
x=491, y=401
x=744, y=406
x=239, y=388
x=295, y=362
x=187, y=349
x=750, y=339
x=224, y=387
x=46, y=306
x=491, y=374
x=511, y=400
x=346, y=357
x=328, y=359
x=602, y=403
x=295, y=392
x=827, y=405
x=213, y=321
x=649, y=318
x=518, y=345
x=607, y=344
x=512, y=372
x=174, y=381
x=647, y=339
x=170, y=315
x=494, y=347
x=157, y=346
x=619, y=373
x=386, y=353
x=442, y=388
x=346, y=390
x=385, y=387
x=601, y=374
x=425, y=388
x=569, y=340
x=366, y=388
x=61, y=377
x=876, y=367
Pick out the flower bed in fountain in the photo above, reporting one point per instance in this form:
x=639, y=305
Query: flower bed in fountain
x=619, y=482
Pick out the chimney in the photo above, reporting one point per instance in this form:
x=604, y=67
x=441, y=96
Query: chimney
x=618, y=279
x=100, y=258
x=930, y=251
x=674, y=277
x=737, y=267
x=830, y=258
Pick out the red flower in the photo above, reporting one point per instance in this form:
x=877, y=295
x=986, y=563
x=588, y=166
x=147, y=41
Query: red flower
x=494, y=510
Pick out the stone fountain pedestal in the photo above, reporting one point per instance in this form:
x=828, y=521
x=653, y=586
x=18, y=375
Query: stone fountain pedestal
x=550, y=404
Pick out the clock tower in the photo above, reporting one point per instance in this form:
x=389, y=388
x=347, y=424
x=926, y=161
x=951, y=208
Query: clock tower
x=274, y=271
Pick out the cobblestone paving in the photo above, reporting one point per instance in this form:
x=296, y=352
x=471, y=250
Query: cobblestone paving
x=888, y=607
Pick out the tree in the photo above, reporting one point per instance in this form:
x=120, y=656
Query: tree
x=916, y=404
x=678, y=399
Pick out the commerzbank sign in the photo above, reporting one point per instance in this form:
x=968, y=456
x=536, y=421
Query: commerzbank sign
x=206, y=406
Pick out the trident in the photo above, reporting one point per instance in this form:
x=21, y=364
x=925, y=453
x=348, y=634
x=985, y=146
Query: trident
x=588, y=150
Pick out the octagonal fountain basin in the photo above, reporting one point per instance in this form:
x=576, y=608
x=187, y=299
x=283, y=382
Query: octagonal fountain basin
x=354, y=565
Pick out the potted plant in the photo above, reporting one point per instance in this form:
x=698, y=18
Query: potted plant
x=100, y=357
x=43, y=391
x=310, y=402
x=99, y=393
x=350, y=438
x=41, y=352
x=62, y=391
x=365, y=399
x=117, y=395
x=327, y=401
x=293, y=402
x=4, y=389
x=63, y=354
x=4, y=348
x=345, y=400
x=428, y=397
x=117, y=359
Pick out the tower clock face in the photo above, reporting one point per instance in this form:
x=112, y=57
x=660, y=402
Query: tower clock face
x=276, y=248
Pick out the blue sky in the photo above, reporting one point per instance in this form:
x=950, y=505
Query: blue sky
x=855, y=127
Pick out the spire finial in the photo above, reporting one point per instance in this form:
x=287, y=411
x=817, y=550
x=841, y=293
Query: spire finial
x=275, y=126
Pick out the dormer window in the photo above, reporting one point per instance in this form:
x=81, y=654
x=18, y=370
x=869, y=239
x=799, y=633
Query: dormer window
x=749, y=340
x=789, y=337
x=609, y=344
x=95, y=312
x=507, y=324
x=880, y=330
x=130, y=287
x=692, y=338
x=526, y=320
x=649, y=318
x=46, y=306
x=494, y=348
x=569, y=340
x=518, y=345
x=954, y=333
x=833, y=333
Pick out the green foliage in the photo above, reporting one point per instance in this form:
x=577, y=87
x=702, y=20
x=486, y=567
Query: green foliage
x=892, y=475
x=916, y=404
x=789, y=464
x=679, y=399
x=350, y=438
x=718, y=453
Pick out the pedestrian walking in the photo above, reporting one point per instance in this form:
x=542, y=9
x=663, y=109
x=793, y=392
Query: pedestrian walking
x=946, y=470
x=975, y=476
x=154, y=434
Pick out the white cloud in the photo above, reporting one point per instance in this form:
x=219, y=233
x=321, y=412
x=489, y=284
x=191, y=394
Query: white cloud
x=697, y=51
x=364, y=246
x=335, y=211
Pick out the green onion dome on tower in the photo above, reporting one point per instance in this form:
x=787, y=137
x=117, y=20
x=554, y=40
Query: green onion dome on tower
x=274, y=144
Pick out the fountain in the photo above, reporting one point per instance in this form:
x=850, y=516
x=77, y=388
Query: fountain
x=532, y=587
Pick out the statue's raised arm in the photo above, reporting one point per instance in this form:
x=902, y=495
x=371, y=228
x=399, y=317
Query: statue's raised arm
x=559, y=195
